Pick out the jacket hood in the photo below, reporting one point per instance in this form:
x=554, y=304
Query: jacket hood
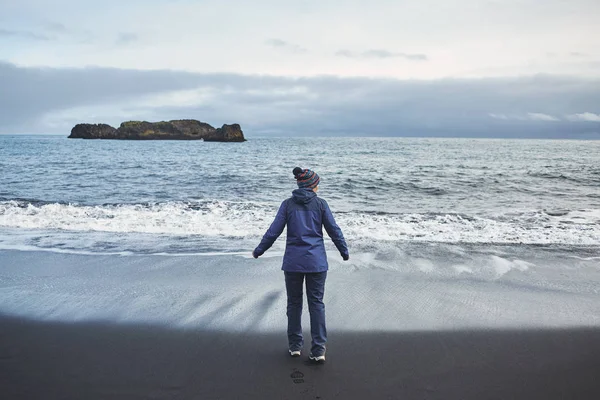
x=303, y=196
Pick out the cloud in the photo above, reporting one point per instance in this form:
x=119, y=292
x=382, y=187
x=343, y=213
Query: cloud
x=389, y=39
x=541, y=117
x=586, y=116
x=30, y=35
x=51, y=31
x=276, y=42
x=282, y=44
x=382, y=54
x=126, y=38
x=52, y=100
x=346, y=53
x=500, y=116
x=56, y=27
x=525, y=117
x=387, y=54
x=574, y=54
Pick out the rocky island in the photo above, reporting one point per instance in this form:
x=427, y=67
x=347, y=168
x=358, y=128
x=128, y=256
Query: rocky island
x=184, y=129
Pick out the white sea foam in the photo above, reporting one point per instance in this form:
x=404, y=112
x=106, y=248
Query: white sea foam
x=249, y=220
x=502, y=266
x=23, y=247
x=462, y=269
x=213, y=218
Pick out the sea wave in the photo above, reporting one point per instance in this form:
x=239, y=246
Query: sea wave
x=245, y=220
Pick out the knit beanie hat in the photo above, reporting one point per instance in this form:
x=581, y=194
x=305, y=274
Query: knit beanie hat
x=306, y=178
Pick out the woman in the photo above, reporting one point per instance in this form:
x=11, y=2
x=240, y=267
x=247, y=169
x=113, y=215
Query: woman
x=305, y=259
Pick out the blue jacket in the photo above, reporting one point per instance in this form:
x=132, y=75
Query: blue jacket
x=305, y=215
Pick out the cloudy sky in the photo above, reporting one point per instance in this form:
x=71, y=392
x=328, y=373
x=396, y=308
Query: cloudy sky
x=500, y=68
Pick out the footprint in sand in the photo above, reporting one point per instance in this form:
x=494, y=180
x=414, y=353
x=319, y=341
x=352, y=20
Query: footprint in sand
x=297, y=376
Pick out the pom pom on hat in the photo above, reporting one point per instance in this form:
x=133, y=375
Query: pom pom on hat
x=305, y=178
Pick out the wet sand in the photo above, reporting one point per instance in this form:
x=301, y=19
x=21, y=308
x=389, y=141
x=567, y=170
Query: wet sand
x=51, y=360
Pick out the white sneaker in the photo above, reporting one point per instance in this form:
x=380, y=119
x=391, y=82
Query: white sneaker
x=317, y=359
x=295, y=353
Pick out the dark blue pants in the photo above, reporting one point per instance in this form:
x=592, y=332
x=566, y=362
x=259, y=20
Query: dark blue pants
x=315, y=289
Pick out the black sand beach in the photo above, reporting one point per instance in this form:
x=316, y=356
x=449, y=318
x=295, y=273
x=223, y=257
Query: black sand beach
x=44, y=360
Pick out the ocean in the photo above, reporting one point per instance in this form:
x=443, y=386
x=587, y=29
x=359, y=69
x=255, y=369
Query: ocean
x=512, y=220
